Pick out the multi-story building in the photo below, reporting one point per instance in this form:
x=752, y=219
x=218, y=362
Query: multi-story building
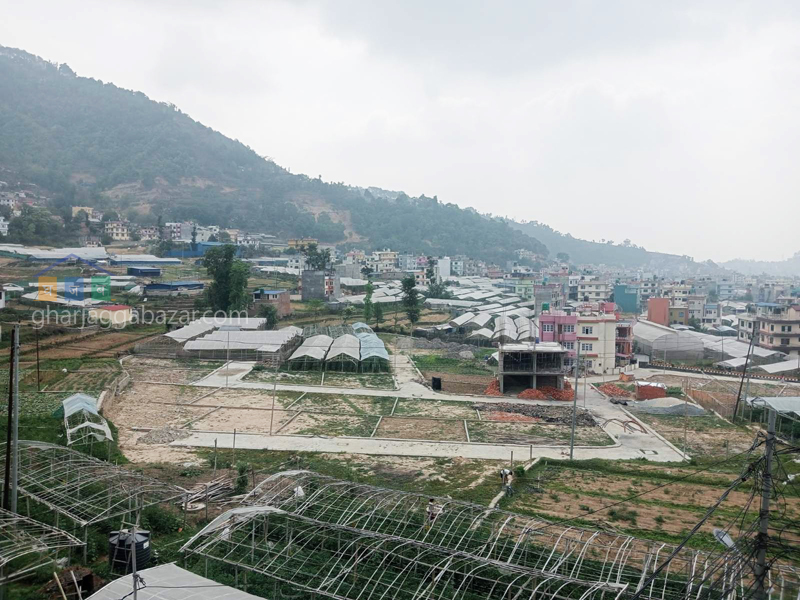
x=420, y=277
x=711, y=316
x=406, y=262
x=148, y=233
x=648, y=288
x=678, y=315
x=592, y=289
x=297, y=243
x=626, y=297
x=745, y=326
x=117, y=230
x=458, y=265
x=383, y=261
x=559, y=326
x=658, y=311
x=678, y=293
x=624, y=343
x=726, y=287
x=597, y=337
x=3, y=226
x=442, y=268
x=695, y=304
x=277, y=298
x=778, y=326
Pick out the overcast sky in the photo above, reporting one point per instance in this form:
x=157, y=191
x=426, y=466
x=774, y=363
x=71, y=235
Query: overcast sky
x=672, y=124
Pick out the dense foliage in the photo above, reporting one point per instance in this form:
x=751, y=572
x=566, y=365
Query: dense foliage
x=79, y=138
x=228, y=290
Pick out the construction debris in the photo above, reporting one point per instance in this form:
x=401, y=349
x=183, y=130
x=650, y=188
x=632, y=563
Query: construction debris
x=213, y=491
x=548, y=414
x=557, y=394
x=163, y=436
x=532, y=394
x=609, y=389
x=493, y=389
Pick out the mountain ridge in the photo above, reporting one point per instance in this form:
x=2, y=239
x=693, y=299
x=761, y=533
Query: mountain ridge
x=93, y=143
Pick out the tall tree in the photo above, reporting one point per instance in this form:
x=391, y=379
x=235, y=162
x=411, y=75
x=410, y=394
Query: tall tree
x=411, y=302
x=378, y=314
x=368, y=306
x=228, y=290
x=270, y=313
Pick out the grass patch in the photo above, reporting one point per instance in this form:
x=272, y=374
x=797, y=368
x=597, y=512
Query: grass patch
x=443, y=364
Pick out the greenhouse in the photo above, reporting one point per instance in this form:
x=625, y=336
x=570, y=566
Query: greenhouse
x=664, y=343
x=575, y=556
x=310, y=356
x=82, y=420
x=373, y=355
x=344, y=354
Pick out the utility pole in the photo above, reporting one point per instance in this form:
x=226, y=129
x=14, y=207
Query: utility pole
x=14, y=384
x=575, y=400
x=38, y=375
x=762, y=540
x=135, y=574
x=10, y=456
x=228, y=359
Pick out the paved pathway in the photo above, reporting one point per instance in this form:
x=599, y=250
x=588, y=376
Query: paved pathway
x=628, y=445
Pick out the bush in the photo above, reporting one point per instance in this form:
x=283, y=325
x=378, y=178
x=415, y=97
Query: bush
x=258, y=367
x=623, y=514
x=160, y=520
x=241, y=478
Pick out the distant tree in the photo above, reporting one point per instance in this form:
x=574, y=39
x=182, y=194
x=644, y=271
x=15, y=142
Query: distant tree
x=366, y=271
x=212, y=238
x=106, y=239
x=368, y=306
x=316, y=260
x=224, y=236
x=713, y=296
x=110, y=215
x=378, y=314
x=563, y=256
x=410, y=301
x=694, y=323
x=163, y=247
x=270, y=313
x=228, y=290
x=347, y=314
x=439, y=290
x=194, y=237
x=430, y=272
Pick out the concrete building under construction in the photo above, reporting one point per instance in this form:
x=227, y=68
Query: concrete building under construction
x=526, y=365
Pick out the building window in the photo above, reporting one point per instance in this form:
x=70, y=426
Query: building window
x=586, y=347
x=784, y=341
x=547, y=327
x=587, y=364
x=569, y=345
x=587, y=330
x=569, y=328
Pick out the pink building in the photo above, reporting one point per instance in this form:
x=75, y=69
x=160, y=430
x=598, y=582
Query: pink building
x=558, y=326
x=658, y=311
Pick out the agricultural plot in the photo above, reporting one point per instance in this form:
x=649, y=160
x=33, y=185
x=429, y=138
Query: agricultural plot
x=169, y=371
x=358, y=405
x=706, y=436
x=285, y=377
x=435, y=408
x=538, y=434
x=421, y=429
x=667, y=513
x=373, y=381
x=331, y=425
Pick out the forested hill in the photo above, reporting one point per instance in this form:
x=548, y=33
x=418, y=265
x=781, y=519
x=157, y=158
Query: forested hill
x=86, y=142
x=617, y=253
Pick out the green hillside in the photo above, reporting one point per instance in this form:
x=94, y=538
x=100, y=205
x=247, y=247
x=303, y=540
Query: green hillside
x=87, y=142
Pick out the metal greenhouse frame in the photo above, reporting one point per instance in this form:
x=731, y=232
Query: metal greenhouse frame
x=310, y=356
x=529, y=543
x=27, y=544
x=284, y=553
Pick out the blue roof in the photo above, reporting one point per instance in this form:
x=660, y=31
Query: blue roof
x=769, y=304
x=175, y=283
x=271, y=291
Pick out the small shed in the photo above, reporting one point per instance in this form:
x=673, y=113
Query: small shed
x=144, y=271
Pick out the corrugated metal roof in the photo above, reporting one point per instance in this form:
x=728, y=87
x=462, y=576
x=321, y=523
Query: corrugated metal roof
x=482, y=333
x=783, y=404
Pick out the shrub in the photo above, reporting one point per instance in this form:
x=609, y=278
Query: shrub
x=241, y=478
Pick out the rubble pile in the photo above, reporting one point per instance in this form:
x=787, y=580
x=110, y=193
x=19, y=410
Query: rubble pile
x=557, y=394
x=548, y=414
x=532, y=394
x=609, y=389
x=163, y=436
x=493, y=389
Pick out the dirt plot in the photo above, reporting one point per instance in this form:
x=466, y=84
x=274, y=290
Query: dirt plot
x=331, y=425
x=104, y=344
x=286, y=377
x=706, y=435
x=421, y=429
x=757, y=388
x=84, y=381
x=538, y=434
x=442, y=409
x=242, y=420
x=360, y=405
x=373, y=381
x=168, y=371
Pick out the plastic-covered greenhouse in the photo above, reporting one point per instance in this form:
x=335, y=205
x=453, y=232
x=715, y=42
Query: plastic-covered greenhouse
x=344, y=354
x=374, y=357
x=310, y=356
